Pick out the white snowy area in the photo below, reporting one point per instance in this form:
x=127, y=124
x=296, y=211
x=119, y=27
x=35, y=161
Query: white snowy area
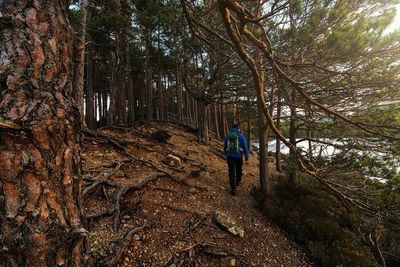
x=321, y=149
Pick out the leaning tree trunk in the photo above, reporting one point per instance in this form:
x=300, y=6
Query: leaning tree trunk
x=40, y=195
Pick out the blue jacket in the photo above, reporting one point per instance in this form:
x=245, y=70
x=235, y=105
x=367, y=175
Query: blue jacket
x=242, y=144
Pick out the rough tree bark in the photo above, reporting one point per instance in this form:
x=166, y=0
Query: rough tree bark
x=40, y=195
x=79, y=64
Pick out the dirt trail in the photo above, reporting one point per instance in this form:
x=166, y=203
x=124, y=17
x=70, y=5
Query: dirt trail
x=166, y=212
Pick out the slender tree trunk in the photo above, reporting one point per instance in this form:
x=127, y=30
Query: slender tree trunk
x=203, y=133
x=249, y=126
x=149, y=77
x=263, y=161
x=309, y=131
x=216, y=121
x=106, y=109
x=196, y=112
x=90, y=100
x=222, y=115
x=129, y=77
x=113, y=91
x=79, y=69
x=178, y=76
x=40, y=172
x=292, y=139
x=188, y=108
x=278, y=142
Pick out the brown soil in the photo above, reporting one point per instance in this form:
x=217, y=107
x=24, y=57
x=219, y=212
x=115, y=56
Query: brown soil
x=166, y=220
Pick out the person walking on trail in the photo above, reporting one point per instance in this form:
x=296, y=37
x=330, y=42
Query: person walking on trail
x=235, y=146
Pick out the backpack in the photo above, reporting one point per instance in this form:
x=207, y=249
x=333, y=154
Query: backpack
x=233, y=142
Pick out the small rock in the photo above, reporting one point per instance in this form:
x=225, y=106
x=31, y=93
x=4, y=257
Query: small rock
x=126, y=217
x=136, y=237
x=172, y=160
x=228, y=223
x=233, y=262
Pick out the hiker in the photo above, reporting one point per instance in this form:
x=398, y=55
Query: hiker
x=235, y=146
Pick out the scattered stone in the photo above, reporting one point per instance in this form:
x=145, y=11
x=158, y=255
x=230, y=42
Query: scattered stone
x=172, y=160
x=233, y=262
x=228, y=223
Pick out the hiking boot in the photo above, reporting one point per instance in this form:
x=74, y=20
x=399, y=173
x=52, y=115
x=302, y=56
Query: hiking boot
x=233, y=192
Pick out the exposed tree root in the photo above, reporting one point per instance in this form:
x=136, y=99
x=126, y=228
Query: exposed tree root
x=123, y=244
x=123, y=149
x=187, y=254
x=102, y=178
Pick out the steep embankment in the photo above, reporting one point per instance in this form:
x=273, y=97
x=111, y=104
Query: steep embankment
x=143, y=212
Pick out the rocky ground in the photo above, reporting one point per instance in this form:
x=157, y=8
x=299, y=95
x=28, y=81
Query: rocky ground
x=145, y=208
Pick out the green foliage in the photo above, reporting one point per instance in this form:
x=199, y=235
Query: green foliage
x=328, y=230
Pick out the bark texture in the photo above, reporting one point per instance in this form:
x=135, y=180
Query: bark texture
x=40, y=208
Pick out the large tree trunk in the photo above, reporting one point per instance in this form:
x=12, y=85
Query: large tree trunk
x=40, y=195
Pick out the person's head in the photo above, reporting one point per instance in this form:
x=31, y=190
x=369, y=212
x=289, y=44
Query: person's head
x=236, y=125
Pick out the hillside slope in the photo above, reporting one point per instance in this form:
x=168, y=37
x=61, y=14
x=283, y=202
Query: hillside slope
x=143, y=212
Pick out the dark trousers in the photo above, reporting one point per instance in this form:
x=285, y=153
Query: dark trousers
x=235, y=171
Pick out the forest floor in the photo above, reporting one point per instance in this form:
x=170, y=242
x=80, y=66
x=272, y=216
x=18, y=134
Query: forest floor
x=142, y=211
